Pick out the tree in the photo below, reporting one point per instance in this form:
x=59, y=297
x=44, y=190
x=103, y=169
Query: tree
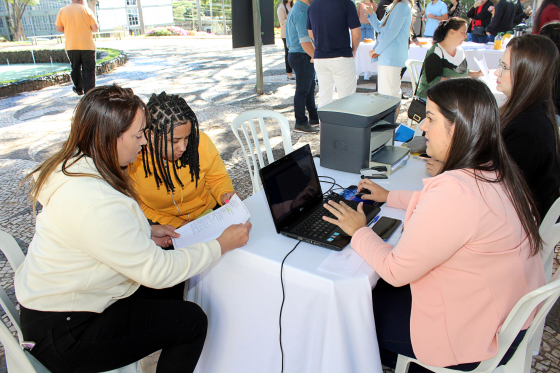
x=92, y=4
x=16, y=16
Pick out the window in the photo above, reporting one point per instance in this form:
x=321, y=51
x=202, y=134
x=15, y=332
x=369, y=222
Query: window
x=130, y=2
x=41, y=23
x=2, y=7
x=133, y=17
x=26, y=22
x=1, y=23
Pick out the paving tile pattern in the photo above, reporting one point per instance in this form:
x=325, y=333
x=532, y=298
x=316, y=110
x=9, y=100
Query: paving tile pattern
x=217, y=82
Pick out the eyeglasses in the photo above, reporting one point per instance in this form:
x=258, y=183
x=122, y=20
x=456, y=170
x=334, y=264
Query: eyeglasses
x=501, y=67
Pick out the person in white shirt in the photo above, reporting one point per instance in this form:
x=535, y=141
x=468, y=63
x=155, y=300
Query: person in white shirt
x=93, y=249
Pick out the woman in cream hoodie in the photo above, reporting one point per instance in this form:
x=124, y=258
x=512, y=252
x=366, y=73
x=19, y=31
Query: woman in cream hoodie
x=93, y=248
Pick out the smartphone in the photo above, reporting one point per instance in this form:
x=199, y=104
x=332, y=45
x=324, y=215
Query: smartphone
x=385, y=227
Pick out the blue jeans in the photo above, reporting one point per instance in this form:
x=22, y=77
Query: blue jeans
x=480, y=39
x=469, y=37
x=305, y=87
x=491, y=38
x=367, y=31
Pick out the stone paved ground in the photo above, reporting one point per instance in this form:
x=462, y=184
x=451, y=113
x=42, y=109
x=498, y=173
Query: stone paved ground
x=217, y=82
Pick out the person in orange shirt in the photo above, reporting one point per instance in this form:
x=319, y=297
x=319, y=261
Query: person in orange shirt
x=179, y=174
x=470, y=246
x=77, y=23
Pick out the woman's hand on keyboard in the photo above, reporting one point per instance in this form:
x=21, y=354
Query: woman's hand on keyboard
x=347, y=218
x=377, y=193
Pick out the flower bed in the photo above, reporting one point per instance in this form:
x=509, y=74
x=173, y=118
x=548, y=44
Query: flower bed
x=175, y=31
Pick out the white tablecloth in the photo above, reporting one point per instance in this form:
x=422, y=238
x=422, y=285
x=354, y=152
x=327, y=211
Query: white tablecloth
x=472, y=50
x=327, y=322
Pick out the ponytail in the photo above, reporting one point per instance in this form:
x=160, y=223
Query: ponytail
x=453, y=23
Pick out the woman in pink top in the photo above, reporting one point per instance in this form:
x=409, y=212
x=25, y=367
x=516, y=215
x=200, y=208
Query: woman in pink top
x=470, y=245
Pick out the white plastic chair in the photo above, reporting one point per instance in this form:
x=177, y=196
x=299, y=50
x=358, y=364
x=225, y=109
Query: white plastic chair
x=414, y=68
x=521, y=360
x=550, y=234
x=252, y=144
x=17, y=359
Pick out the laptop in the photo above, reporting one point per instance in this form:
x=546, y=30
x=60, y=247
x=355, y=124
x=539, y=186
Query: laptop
x=295, y=199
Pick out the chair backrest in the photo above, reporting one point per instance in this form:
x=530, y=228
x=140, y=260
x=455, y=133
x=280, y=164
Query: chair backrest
x=550, y=233
x=414, y=68
x=252, y=144
x=18, y=360
x=11, y=250
x=547, y=295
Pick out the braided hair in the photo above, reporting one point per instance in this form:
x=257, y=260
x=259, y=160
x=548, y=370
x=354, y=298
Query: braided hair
x=165, y=113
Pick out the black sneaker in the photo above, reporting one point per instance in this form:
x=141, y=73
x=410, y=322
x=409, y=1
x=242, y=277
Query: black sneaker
x=78, y=92
x=314, y=122
x=306, y=128
x=404, y=97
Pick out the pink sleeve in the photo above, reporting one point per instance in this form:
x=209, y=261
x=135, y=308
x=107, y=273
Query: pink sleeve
x=399, y=199
x=444, y=220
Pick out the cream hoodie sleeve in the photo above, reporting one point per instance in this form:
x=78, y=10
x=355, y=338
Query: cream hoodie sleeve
x=111, y=231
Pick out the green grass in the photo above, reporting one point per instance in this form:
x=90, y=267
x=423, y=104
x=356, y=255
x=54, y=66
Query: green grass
x=112, y=53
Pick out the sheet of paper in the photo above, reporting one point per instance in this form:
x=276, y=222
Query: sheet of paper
x=211, y=226
x=344, y=263
x=482, y=65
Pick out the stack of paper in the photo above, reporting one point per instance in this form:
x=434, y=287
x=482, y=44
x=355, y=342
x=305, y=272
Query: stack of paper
x=211, y=226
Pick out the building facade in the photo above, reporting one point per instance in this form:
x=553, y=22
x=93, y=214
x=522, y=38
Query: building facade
x=39, y=20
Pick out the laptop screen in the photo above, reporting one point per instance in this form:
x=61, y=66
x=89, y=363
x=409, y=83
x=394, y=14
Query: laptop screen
x=291, y=185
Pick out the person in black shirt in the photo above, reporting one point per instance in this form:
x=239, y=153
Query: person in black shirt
x=521, y=14
x=528, y=117
x=502, y=20
x=481, y=17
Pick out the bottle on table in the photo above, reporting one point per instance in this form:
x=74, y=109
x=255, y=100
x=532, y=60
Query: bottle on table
x=498, y=41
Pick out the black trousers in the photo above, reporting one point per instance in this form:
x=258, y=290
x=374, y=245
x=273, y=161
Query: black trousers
x=83, y=69
x=288, y=67
x=127, y=331
x=392, y=308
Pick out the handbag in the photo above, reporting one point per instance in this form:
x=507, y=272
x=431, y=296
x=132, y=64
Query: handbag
x=479, y=31
x=417, y=109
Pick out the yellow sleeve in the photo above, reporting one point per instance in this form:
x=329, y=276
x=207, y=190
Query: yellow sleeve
x=160, y=217
x=217, y=179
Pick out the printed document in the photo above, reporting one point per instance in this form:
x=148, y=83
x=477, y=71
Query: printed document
x=343, y=263
x=482, y=65
x=211, y=226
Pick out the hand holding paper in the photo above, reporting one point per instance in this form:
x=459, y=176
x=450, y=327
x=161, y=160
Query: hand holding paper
x=482, y=65
x=215, y=224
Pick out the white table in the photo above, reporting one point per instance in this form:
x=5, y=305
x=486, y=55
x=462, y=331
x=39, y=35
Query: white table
x=327, y=321
x=472, y=50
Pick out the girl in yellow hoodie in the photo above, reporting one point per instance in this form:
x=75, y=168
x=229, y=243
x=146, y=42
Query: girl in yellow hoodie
x=179, y=174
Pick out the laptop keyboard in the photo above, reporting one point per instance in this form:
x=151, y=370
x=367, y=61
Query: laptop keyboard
x=318, y=228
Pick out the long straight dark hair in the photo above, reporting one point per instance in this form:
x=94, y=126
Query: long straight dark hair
x=534, y=65
x=537, y=21
x=477, y=144
x=101, y=117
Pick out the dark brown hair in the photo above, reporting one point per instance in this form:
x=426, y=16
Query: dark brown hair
x=537, y=21
x=100, y=118
x=453, y=23
x=166, y=113
x=391, y=7
x=534, y=65
x=477, y=144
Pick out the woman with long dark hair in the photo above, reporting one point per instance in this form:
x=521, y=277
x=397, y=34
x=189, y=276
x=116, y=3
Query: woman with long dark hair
x=93, y=249
x=548, y=11
x=283, y=9
x=446, y=59
x=526, y=75
x=470, y=247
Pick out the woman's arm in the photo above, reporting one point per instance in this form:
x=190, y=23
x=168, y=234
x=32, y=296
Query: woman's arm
x=443, y=221
x=282, y=16
x=397, y=18
x=216, y=179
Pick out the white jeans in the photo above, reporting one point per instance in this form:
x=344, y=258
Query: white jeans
x=331, y=72
x=389, y=80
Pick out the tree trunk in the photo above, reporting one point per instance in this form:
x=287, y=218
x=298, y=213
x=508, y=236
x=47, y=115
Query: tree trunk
x=92, y=5
x=224, y=16
x=11, y=27
x=199, y=17
x=19, y=33
x=141, y=18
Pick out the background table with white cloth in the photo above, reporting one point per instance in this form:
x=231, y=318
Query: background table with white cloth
x=327, y=321
x=472, y=51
